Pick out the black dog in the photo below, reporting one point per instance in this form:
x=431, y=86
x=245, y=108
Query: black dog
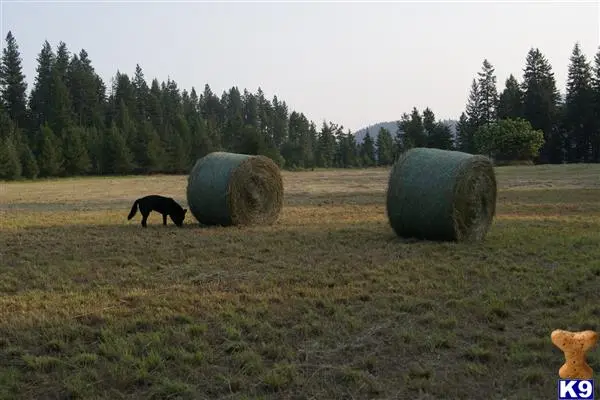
x=164, y=205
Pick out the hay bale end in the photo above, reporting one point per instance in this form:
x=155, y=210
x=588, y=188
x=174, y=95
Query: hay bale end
x=438, y=194
x=235, y=189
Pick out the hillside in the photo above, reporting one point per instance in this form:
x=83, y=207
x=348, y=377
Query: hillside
x=392, y=126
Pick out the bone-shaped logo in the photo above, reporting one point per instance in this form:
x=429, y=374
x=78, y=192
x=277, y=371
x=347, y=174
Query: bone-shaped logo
x=574, y=345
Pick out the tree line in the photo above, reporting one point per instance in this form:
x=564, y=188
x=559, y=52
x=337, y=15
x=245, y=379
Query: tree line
x=73, y=123
x=530, y=119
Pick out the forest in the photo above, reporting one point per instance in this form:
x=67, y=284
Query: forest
x=73, y=123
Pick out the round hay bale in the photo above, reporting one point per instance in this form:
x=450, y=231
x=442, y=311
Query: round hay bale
x=441, y=195
x=235, y=189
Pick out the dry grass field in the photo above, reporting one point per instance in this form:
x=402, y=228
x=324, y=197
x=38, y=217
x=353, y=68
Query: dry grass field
x=326, y=304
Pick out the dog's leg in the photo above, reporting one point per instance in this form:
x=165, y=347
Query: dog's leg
x=144, y=219
x=164, y=219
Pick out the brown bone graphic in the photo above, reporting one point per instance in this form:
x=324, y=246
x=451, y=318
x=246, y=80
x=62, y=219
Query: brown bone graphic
x=575, y=345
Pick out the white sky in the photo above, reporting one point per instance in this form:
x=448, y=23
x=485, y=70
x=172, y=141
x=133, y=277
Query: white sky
x=352, y=63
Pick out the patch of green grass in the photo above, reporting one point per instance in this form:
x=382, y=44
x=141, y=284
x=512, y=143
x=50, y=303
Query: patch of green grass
x=327, y=303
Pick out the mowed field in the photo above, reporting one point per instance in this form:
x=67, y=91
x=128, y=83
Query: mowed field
x=326, y=304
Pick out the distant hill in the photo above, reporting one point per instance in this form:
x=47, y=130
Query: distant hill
x=392, y=126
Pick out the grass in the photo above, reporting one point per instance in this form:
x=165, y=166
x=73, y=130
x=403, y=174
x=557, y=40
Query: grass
x=325, y=304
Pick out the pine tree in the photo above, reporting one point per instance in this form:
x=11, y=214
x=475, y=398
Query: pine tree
x=441, y=137
x=49, y=157
x=399, y=137
x=39, y=100
x=10, y=165
x=141, y=93
x=126, y=124
x=488, y=94
x=385, y=147
x=351, y=153
x=510, y=102
x=200, y=141
x=155, y=108
x=95, y=148
x=540, y=100
x=29, y=167
x=250, y=109
x=579, y=108
x=232, y=102
x=428, y=122
x=311, y=145
x=12, y=82
x=61, y=64
x=82, y=83
x=473, y=108
x=182, y=129
x=367, y=151
x=75, y=154
x=265, y=112
x=60, y=118
x=116, y=157
x=279, y=121
x=414, y=131
x=464, y=137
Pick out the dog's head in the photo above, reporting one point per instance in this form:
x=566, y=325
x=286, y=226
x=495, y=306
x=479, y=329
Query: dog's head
x=178, y=219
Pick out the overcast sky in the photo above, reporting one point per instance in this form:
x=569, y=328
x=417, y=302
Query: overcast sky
x=352, y=63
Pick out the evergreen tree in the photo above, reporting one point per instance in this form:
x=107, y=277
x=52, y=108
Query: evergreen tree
x=326, y=145
x=155, y=108
x=250, y=109
x=474, y=106
x=60, y=118
x=265, y=112
x=39, y=100
x=367, y=151
x=579, y=108
x=10, y=165
x=29, y=167
x=414, y=131
x=464, y=137
x=61, y=64
x=350, y=156
x=75, y=154
x=510, y=102
x=116, y=157
x=49, y=157
x=232, y=102
x=385, y=147
x=177, y=160
x=82, y=83
x=399, y=137
x=279, y=121
x=441, y=137
x=12, y=82
x=200, y=141
x=428, y=124
x=540, y=100
x=488, y=94
x=95, y=148
x=141, y=93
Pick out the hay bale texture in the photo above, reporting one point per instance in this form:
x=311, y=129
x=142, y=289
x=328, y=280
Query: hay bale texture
x=235, y=189
x=441, y=195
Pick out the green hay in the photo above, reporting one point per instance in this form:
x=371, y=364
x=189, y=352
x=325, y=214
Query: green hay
x=441, y=195
x=235, y=189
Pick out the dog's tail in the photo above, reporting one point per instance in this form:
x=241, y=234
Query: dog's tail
x=134, y=209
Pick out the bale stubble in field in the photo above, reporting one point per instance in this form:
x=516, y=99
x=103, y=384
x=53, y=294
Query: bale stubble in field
x=235, y=189
x=441, y=195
